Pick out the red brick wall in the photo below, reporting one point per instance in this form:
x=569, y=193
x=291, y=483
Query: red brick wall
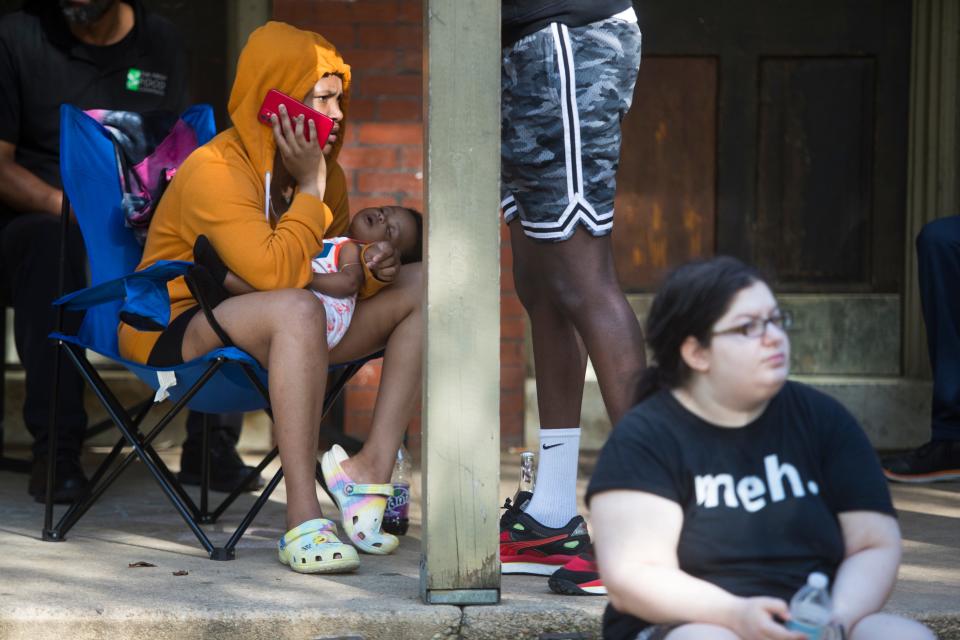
x=383, y=158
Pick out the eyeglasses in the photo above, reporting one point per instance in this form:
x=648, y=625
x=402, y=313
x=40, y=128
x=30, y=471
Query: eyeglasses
x=757, y=327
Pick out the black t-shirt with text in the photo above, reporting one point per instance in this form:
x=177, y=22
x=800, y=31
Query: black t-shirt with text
x=42, y=65
x=759, y=502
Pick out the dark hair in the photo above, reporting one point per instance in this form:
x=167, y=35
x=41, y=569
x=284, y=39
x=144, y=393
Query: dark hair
x=415, y=254
x=690, y=301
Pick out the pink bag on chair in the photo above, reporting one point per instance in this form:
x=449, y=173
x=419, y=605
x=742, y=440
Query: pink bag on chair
x=150, y=147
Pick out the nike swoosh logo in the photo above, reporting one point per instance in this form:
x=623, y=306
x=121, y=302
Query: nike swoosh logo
x=551, y=446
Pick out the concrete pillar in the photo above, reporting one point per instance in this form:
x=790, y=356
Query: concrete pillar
x=461, y=394
x=933, y=183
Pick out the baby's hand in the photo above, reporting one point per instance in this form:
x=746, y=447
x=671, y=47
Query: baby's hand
x=383, y=260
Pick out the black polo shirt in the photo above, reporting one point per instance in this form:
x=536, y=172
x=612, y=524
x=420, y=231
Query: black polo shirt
x=42, y=65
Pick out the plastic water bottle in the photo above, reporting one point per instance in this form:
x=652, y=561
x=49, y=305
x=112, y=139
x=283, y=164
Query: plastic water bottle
x=811, y=608
x=396, y=516
x=525, y=486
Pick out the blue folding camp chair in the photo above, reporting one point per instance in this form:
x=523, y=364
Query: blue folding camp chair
x=224, y=380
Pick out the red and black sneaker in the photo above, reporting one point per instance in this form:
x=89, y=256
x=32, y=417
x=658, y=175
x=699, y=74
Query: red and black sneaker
x=528, y=547
x=579, y=577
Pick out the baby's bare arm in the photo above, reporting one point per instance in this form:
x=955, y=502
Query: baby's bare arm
x=347, y=281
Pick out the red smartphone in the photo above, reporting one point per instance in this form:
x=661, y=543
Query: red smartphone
x=274, y=99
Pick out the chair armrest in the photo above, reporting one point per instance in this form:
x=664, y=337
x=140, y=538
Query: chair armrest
x=142, y=292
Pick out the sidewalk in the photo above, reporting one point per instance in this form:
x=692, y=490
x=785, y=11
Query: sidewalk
x=84, y=588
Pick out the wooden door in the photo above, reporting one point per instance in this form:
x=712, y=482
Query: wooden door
x=772, y=130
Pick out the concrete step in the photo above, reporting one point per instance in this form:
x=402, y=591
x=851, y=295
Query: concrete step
x=894, y=412
x=84, y=589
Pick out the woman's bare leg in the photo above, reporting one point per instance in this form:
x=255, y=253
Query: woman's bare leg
x=701, y=632
x=285, y=331
x=879, y=626
x=392, y=319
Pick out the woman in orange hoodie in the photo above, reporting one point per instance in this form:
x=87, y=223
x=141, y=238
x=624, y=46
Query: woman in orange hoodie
x=265, y=198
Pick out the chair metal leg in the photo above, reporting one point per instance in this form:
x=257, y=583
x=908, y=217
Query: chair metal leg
x=117, y=413
x=143, y=449
x=251, y=514
x=205, y=469
x=140, y=409
x=48, y=532
x=236, y=493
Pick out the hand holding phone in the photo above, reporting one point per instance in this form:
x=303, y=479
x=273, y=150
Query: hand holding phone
x=271, y=106
x=302, y=159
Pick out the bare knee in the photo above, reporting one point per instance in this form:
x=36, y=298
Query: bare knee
x=701, y=632
x=879, y=626
x=300, y=313
x=527, y=283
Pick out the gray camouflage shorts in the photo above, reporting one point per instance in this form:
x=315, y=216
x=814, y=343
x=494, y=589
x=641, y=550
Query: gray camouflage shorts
x=564, y=93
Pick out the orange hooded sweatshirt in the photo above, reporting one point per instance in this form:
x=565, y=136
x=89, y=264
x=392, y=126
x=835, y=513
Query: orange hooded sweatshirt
x=220, y=190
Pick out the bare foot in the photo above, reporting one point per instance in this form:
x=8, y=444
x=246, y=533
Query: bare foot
x=360, y=472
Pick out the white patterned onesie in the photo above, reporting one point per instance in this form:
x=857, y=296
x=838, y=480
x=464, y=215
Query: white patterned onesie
x=339, y=310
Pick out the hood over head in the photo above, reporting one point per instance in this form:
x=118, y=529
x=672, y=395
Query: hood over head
x=279, y=56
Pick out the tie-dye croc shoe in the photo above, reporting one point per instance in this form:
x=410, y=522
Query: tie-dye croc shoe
x=313, y=547
x=361, y=505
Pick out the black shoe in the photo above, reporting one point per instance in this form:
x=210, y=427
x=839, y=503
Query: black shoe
x=526, y=546
x=936, y=461
x=69, y=484
x=579, y=577
x=227, y=470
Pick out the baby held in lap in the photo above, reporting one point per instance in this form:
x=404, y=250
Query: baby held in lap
x=337, y=268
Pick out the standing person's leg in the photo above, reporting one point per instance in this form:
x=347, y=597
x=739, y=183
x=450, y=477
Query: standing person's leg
x=578, y=292
x=560, y=358
x=565, y=93
x=938, y=261
x=31, y=260
x=578, y=304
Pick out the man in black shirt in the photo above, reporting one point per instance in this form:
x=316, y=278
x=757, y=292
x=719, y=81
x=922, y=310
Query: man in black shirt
x=92, y=54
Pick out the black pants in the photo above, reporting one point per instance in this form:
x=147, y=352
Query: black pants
x=224, y=430
x=938, y=258
x=29, y=266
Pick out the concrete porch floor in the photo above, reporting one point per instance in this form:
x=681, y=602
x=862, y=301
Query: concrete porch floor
x=84, y=588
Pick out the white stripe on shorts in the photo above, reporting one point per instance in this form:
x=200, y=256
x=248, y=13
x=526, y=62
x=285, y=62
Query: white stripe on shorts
x=509, y=207
x=596, y=224
x=577, y=207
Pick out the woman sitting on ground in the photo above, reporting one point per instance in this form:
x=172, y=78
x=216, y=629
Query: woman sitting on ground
x=720, y=492
x=265, y=198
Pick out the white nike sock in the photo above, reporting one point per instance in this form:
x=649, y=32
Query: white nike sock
x=554, y=499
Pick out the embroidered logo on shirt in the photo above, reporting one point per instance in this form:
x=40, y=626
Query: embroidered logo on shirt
x=146, y=81
x=751, y=489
